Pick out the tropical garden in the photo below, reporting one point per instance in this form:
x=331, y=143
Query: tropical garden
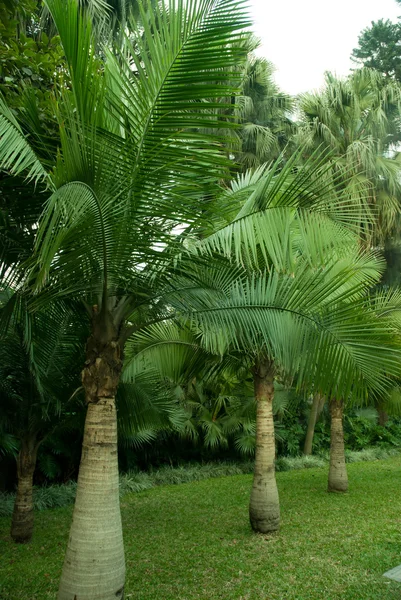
x=198, y=278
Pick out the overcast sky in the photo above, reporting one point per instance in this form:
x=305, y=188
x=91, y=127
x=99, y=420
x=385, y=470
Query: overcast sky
x=305, y=38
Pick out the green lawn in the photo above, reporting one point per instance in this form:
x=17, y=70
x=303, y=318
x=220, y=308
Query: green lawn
x=193, y=541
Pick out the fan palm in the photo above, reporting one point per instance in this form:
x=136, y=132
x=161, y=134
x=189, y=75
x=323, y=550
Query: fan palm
x=265, y=115
x=217, y=400
x=358, y=119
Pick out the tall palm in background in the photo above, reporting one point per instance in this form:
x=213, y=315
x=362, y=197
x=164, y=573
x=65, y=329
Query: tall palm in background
x=316, y=408
x=265, y=114
x=358, y=120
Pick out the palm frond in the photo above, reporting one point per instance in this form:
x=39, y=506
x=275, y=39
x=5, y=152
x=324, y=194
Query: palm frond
x=16, y=155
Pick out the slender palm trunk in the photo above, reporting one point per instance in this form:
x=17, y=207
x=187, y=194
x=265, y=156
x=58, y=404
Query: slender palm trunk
x=383, y=416
x=317, y=406
x=22, y=519
x=338, y=478
x=94, y=565
x=264, y=508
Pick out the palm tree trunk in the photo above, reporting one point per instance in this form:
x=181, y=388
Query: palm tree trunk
x=338, y=478
x=22, y=519
x=313, y=416
x=264, y=507
x=383, y=416
x=94, y=565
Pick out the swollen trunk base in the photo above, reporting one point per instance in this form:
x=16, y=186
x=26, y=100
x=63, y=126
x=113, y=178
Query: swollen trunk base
x=94, y=567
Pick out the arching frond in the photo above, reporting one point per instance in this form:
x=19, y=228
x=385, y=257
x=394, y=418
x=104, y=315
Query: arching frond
x=16, y=155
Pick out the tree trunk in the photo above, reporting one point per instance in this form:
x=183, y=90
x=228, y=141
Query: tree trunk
x=94, y=565
x=264, y=508
x=338, y=478
x=22, y=519
x=383, y=416
x=317, y=406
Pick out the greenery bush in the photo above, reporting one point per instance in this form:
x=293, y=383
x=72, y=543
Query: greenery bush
x=375, y=453
x=289, y=463
x=360, y=432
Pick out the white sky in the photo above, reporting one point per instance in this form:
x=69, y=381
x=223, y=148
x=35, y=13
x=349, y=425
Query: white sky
x=305, y=38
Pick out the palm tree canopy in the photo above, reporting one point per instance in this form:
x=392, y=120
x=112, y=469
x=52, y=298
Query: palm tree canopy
x=132, y=159
x=358, y=119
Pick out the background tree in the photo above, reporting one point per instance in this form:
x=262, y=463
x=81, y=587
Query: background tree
x=316, y=408
x=357, y=120
x=265, y=114
x=38, y=368
x=379, y=47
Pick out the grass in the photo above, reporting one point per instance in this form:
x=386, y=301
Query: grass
x=193, y=541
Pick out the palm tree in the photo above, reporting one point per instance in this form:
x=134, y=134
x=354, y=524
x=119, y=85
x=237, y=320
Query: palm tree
x=310, y=267
x=385, y=307
x=298, y=328
x=297, y=325
x=357, y=120
x=338, y=477
x=38, y=373
x=134, y=159
x=265, y=113
x=131, y=164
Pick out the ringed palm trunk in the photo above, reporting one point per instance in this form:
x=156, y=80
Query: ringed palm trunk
x=317, y=406
x=264, y=508
x=22, y=519
x=338, y=477
x=94, y=565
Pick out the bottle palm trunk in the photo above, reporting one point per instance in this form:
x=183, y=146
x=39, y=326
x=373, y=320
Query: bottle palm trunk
x=338, y=477
x=94, y=565
x=23, y=517
x=264, y=508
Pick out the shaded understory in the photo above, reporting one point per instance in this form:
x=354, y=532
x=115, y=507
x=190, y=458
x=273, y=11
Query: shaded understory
x=193, y=541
